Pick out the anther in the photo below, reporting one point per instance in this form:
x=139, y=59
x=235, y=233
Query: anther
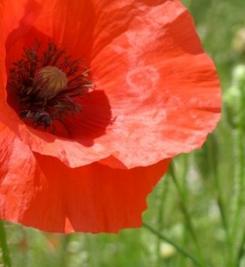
x=49, y=81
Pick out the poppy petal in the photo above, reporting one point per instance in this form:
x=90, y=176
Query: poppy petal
x=66, y=22
x=163, y=89
x=139, y=61
x=21, y=181
x=48, y=19
x=97, y=198
x=42, y=192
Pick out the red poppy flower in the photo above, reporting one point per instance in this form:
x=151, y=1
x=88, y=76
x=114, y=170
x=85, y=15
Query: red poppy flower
x=96, y=96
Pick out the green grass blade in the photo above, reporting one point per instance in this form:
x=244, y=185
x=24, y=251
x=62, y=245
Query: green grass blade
x=4, y=246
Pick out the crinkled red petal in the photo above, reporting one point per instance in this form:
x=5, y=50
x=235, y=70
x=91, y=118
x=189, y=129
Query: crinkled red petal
x=162, y=89
x=41, y=192
x=68, y=24
x=168, y=98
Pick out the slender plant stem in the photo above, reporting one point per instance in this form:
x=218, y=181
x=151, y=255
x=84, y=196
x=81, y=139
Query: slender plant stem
x=212, y=160
x=160, y=218
x=177, y=247
x=4, y=246
x=241, y=251
x=239, y=190
x=241, y=198
x=185, y=234
x=186, y=214
x=219, y=195
x=64, y=257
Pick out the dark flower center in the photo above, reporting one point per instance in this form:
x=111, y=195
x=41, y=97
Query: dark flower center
x=46, y=85
x=54, y=79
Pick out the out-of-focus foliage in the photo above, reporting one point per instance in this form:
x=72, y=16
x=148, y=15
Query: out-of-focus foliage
x=200, y=206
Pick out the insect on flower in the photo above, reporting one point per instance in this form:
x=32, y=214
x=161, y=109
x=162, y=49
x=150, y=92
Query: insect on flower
x=37, y=118
x=96, y=97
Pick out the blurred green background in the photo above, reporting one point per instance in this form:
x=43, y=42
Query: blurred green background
x=196, y=215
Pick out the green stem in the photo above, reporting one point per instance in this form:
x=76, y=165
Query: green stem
x=239, y=190
x=177, y=247
x=4, y=246
x=241, y=251
x=186, y=214
x=160, y=219
x=219, y=195
x=64, y=257
x=183, y=206
x=219, y=199
x=239, y=187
